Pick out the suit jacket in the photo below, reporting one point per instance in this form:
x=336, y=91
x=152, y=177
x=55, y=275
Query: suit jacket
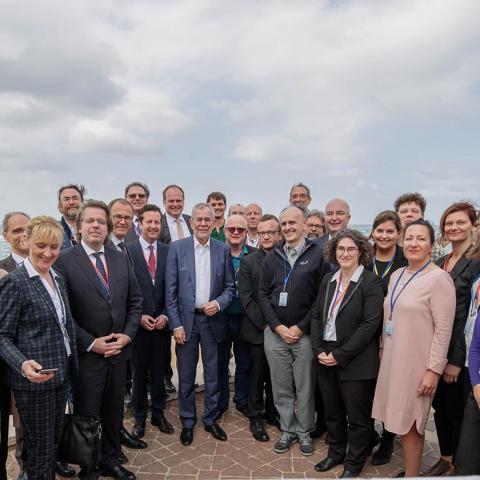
x=165, y=232
x=153, y=294
x=248, y=280
x=462, y=275
x=322, y=241
x=67, y=234
x=180, y=285
x=131, y=235
x=30, y=329
x=8, y=264
x=94, y=315
x=358, y=319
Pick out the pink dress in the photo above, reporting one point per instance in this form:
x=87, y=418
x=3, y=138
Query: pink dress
x=422, y=326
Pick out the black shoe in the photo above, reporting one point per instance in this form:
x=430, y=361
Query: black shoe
x=319, y=431
x=169, y=386
x=374, y=441
x=216, y=432
x=118, y=472
x=163, y=424
x=400, y=474
x=258, y=431
x=384, y=452
x=348, y=474
x=275, y=422
x=221, y=411
x=243, y=409
x=326, y=464
x=122, y=458
x=92, y=474
x=186, y=437
x=64, y=470
x=131, y=441
x=138, y=430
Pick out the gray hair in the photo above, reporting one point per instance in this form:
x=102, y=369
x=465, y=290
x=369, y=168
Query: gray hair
x=202, y=206
x=300, y=184
x=316, y=213
x=8, y=216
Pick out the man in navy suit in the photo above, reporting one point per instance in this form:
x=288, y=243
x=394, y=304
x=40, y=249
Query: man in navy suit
x=70, y=197
x=149, y=258
x=106, y=303
x=199, y=285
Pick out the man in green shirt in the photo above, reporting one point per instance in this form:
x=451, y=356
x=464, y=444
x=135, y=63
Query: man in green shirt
x=218, y=202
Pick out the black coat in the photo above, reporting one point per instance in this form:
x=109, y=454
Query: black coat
x=358, y=319
x=248, y=280
x=165, y=236
x=462, y=275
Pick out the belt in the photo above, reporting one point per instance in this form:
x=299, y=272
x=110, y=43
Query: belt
x=199, y=311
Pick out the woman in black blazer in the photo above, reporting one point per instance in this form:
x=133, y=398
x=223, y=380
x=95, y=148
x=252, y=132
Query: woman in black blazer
x=456, y=226
x=36, y=333
x=345, y=320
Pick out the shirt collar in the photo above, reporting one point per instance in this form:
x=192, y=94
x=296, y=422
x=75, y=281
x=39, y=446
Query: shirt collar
x=115, y=240
x=90, y=251
x=145, y=244
x=18, y=258
x=242, y=253
x=299, y=248
x=196, y=243
x=32, y=272
x=355, y=276
x=171, y=220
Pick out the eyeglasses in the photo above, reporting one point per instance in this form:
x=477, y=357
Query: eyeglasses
x=314, y=225
x=136, y=195
x=339, y=213
x=269, y=233
x=349, y=250
x=119, y=218
x=236, y=230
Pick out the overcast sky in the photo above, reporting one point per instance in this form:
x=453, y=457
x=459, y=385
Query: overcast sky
x=358, y=99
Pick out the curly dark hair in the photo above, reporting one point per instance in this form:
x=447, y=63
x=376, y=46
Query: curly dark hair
x=365, y=251
x=409, y=197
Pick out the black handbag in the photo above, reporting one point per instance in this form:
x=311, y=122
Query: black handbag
x=81, y=440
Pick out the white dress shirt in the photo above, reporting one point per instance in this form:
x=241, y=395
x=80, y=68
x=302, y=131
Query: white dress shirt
x=172, y=227
x=18, y=259
x=252, y=242
x=330, y=333
x=202, y=272
x=116, y=241
x=56, y=299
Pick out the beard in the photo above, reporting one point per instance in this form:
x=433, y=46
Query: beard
x=71, y=214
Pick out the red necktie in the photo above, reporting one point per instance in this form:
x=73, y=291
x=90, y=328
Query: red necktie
x=152, y=264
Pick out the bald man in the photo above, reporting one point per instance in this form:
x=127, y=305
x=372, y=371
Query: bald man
x=337, y=216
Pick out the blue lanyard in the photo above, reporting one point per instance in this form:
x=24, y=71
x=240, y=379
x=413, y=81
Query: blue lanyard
x=287, y=277
x=389, y=266
x=393, y=299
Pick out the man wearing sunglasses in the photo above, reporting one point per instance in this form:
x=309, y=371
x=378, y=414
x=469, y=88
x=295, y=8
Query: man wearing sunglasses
x=137, y=195
x=235, y=235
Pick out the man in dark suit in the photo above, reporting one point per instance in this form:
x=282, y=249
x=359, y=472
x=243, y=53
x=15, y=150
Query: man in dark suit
x=235, y=235
x=149, y=258
x=106, y=304
x=175, y=226
x=137, y=195
x=199, y=285
x=252, y=327
x=14, y=224
x=315, y=224
x=70, y=197
x=337, y=216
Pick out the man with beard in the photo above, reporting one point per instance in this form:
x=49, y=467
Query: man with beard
x=70, y=197
x=315, y=224
x=300, y=196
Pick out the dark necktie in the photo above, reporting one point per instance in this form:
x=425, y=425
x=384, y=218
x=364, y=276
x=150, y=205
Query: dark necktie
x=122, y=247
x=102, y=273
x=152, y=264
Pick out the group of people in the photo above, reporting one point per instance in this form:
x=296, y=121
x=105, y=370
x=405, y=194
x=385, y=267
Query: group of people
x=329, y=329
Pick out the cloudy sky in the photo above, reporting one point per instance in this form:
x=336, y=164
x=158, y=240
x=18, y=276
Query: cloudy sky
x=361, y=99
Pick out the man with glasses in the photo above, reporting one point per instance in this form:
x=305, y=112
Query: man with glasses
x=235, y=234
x=70, y=197
x=137, y=195
x=253, y=325
x=315, y=224
x=291, y=274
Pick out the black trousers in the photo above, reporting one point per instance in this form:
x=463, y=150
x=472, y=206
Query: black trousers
x=259, y=383
x=319, y=406
x=148, y=361
x=467, y=459
x=449, y=404
x=42, y=413
x=342, y=400
x=4, y=414
x=99, y=391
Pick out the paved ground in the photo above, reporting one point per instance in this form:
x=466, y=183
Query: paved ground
x=240, y=457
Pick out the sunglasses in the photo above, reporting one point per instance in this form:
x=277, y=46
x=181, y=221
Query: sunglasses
x=236, y=229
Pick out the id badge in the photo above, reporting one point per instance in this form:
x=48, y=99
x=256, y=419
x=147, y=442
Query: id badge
x=282, y=301
x=389, y=328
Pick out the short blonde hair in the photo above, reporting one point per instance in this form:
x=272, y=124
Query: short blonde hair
x=44, y=227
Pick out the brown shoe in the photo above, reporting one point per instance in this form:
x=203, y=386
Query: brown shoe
x=442, y=467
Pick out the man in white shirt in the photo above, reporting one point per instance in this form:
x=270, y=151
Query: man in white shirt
x=175, y=224
x=199, y=285
x=253, y=213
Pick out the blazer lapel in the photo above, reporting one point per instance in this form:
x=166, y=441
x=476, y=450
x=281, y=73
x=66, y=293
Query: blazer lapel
x=459, y=267
x=112, y=269
x=160, y=263
x=89, y=271
x=352, y=288
x=213, y=266
x=190, y=254
x=331, y=289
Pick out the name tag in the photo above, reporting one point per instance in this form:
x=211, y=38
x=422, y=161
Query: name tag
x=282, y=301
x=389, y=328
